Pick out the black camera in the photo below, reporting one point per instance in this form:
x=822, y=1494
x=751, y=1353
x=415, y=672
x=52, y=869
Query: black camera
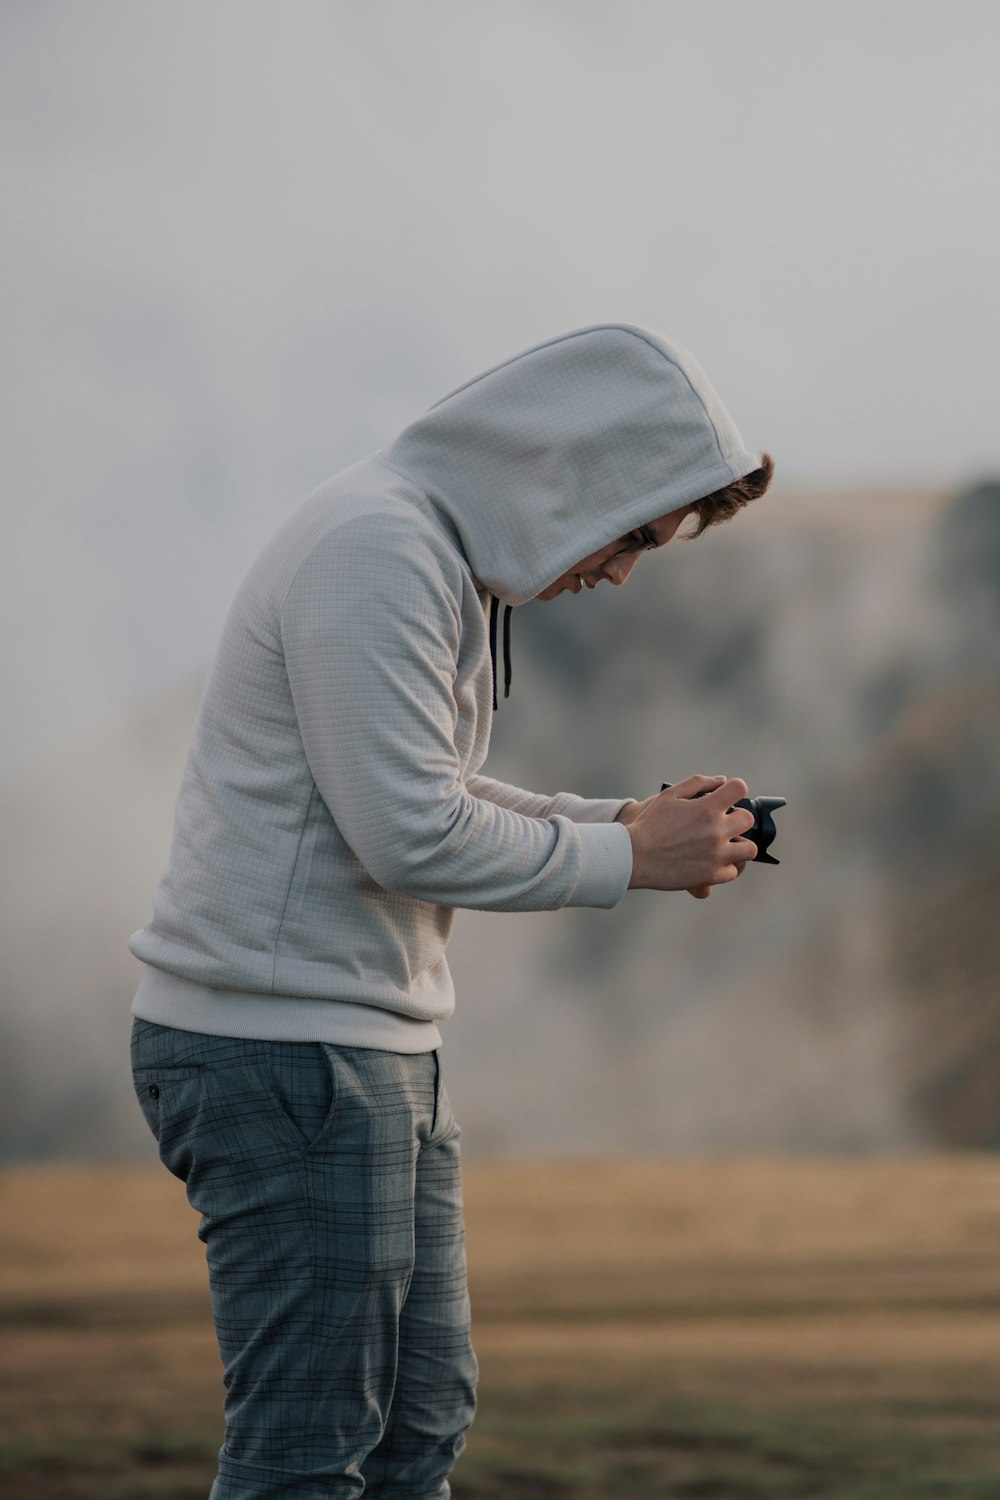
x=763, y=831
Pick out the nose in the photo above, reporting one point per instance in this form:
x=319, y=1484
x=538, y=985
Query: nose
x=617, y=569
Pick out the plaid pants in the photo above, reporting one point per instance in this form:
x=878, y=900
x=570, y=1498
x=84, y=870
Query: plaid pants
x=328, y=1183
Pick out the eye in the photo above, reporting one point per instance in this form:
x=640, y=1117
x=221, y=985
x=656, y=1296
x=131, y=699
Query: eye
x=640, y=540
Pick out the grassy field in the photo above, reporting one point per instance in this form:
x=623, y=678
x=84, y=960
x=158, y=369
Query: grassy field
x=734, y=1329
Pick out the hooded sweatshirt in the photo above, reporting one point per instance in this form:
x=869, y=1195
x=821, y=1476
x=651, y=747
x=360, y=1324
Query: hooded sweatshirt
x=332, y=813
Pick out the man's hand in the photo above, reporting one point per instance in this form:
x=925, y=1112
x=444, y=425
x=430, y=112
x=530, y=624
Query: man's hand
x=682, y=840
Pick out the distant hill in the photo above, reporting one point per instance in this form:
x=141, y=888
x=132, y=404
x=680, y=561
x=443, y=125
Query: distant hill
x=838, y=650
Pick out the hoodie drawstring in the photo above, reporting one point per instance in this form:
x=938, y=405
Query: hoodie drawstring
x=494, y=601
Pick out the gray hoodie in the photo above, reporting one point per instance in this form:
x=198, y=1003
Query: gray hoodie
x=332, y=813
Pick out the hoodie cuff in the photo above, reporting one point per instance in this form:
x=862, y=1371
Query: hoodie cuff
x=598, y=809
x=607, y=864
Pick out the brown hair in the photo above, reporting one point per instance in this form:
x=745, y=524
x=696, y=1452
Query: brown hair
x=722, y=505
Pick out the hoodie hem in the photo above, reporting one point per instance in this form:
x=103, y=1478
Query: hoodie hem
x=170, y=1000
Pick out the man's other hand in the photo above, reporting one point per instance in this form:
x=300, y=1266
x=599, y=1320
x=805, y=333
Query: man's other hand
x=690, y=831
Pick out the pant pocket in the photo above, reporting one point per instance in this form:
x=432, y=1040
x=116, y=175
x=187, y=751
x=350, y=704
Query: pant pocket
x=298, y=1083
x=170, y=1101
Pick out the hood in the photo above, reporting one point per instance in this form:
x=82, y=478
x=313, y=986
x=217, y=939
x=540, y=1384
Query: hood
x=556, y=451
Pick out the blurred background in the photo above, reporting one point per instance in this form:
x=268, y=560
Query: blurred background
x=246, y=243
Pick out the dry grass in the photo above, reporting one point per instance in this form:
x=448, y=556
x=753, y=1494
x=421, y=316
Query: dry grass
x=728, y=1328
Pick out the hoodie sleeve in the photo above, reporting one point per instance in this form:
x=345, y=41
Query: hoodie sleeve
x=538, y=805
x=370, y=629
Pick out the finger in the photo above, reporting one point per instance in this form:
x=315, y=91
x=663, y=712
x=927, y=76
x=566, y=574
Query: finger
x=731, y=792
x=741, y=851
x=700, y=892
x=696, y=786
x=741, y=815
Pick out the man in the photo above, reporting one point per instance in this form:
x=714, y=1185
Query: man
x=332, y=814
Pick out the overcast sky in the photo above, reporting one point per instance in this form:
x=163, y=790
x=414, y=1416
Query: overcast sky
x=246, y=242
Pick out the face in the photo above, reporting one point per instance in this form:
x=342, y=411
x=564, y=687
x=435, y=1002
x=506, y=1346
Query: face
x=615, y=568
